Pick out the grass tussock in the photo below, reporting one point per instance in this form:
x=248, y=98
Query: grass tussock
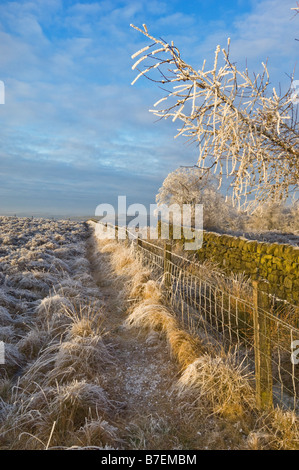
x=86, y=319
x=220, y=383
x=184, y=347
x=59, y=392
x=82, y=356
x=97, y=432
x=79, y=353
x=138, y=284
x=31, y=344
x=152, y=291
x=52, y=416
x=52, y=305
x=122, y=258
x=284, y=428
x=51, y=314
x=278, y=430
x=38, y=370
x=150, y=316
x=5, y=317
x=81, y=328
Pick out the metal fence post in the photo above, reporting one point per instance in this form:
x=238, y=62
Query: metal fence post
x=262, y=347
x=167, y=258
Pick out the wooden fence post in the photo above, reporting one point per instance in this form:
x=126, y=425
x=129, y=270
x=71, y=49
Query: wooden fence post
x=159, y=225
x=262, y=347
x=139, y=241
x=167, y=258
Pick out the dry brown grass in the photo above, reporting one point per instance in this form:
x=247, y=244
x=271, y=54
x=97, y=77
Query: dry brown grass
x=51, y=315
x=152, y=291
x=284, y=428
x=81, y=328
x=122, y=258
x=31, y=344
x=36, y=372
x=138, y=284
x=80, y=354
x=184, y=347
x=97, y=432
x=86, y=319
x=52, y=415
x=151, y=316
x=51, y=305
x=277, y=430
x=81, y=357
x=221, y=383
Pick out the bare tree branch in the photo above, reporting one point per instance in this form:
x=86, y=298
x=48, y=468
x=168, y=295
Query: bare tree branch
x=251, y=135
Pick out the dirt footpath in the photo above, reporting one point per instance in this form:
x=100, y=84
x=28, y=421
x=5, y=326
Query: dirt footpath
x=143, y=376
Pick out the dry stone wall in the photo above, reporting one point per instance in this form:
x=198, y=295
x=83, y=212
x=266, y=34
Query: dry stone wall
x=274, y=262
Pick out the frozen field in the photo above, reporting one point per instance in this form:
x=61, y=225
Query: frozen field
x=37, y=257
x=95, y=358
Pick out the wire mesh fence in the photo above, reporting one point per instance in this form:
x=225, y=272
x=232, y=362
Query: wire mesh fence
x=230, y=313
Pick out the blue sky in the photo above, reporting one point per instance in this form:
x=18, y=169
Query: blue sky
x=74, y=132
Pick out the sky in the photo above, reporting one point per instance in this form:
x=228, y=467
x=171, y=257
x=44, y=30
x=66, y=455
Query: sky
x=74, y=132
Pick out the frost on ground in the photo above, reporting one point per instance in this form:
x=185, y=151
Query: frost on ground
x=36, y=257
x=92, y=354
x=50, y=308
x=68, y=380
x=75, y=376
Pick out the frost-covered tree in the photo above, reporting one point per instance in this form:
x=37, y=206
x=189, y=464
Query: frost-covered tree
x=294, y=219
x=274, y=216
x=185, y=186
x=245, y=131
x=269, y=216
x=194, y=186
x=296, y=9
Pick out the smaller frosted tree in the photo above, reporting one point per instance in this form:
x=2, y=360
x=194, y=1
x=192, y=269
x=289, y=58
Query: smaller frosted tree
x=269, y=216
x=195, y=186
x=275, y=217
